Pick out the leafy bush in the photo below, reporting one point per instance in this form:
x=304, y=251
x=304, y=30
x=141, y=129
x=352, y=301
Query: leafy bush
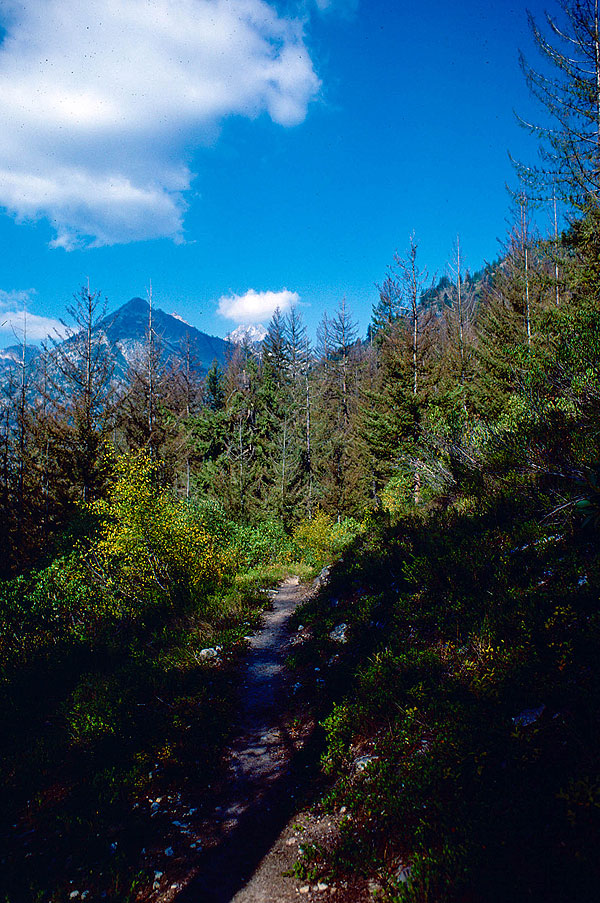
x=321, y=539
x=260, y=544
x=470, y=680
x=152, y=547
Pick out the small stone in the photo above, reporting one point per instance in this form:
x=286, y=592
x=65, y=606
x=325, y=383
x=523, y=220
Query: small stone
x=208, y=654
x=73, y=895
x=305, y=889
x=403, y=873
x=321, y=887
x=169, y=851
x=363, y=762
x=339, y=634
x=529, y=716
x=343, y=810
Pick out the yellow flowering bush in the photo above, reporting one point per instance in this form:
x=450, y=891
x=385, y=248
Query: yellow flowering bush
x=150, y=546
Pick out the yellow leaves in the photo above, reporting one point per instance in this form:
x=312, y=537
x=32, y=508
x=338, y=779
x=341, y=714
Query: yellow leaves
x=149, y=541
x=321, y=539
x=315, y=536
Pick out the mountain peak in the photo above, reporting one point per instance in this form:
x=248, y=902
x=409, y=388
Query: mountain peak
x=252, y=334
x=126, y=330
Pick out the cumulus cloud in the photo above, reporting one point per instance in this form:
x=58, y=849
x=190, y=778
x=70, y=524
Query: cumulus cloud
x=14, y=307
x=103, y=102
x=253, y=307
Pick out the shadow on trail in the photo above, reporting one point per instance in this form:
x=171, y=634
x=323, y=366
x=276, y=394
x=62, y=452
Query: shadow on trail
x=224, y=869
x=269, y=773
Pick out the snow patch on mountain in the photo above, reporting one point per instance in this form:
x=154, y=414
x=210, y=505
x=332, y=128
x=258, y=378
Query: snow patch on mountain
x=253, y=334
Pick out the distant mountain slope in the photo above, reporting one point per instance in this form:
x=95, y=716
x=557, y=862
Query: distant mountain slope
x=124, y=333
x=126, y=330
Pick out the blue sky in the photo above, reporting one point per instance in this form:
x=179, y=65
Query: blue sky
x=238, y=153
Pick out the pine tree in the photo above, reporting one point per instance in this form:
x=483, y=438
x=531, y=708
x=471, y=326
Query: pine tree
x=81, y=389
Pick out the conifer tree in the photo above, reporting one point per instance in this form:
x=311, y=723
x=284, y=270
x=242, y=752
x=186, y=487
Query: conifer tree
x=568, y=88
x=391, y=426
x=80, y=384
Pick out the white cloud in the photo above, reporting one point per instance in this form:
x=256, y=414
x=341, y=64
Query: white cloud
x=8, y=300
x=14, y=306
x=254, y=307
x=103, y=102
x=345, y=7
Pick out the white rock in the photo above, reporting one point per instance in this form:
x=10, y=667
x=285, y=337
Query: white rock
x=321, y=887
x=208, y=654
x=340, y=633
x=363, y=762
x=403, y=874
x=305, y=889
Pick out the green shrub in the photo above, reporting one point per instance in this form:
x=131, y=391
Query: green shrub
x=320, y=539
x=261, y=544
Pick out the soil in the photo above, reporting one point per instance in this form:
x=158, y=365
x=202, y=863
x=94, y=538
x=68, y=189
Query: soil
x=239, y=843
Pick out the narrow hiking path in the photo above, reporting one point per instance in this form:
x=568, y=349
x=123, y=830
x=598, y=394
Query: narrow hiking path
x=266, y=768
x=248, y=830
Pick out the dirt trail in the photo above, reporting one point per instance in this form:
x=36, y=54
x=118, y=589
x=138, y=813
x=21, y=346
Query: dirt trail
x=268, y=766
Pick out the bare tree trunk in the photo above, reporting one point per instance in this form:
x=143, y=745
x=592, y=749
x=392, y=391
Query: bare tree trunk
x=150, y=374
x=556, y=285
x=283, y=454
x=308, y=452
x=525, y=246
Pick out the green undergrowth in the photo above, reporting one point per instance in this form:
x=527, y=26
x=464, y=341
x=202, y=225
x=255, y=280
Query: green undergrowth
x=462, y=713
x=106, y=696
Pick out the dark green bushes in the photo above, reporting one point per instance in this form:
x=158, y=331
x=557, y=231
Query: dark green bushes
x=471, y=682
